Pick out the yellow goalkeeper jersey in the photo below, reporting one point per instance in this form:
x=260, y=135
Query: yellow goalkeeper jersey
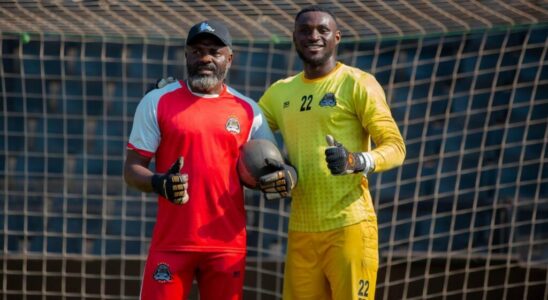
x=350, y=105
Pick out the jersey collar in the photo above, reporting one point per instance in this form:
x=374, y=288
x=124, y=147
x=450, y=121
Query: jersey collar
x=204, y=95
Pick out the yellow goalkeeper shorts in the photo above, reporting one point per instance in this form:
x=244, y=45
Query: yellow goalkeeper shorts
x=337, y=264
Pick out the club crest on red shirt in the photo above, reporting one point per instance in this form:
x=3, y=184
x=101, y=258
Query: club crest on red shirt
x=233, y=125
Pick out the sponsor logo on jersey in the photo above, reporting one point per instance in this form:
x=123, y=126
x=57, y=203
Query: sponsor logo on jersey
x=162, y=273
x=286, y=104
x=328, y=100
x=205, y=27
x=233, y=125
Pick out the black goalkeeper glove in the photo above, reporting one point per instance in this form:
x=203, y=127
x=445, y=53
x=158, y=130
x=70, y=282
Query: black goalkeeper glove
x=160, y=83
x=278, y=184
x=172, y=185
x=340, y=161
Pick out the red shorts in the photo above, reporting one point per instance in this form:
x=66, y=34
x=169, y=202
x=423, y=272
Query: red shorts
x=169, y=275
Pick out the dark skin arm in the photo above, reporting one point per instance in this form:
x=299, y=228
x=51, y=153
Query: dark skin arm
x=136, y=172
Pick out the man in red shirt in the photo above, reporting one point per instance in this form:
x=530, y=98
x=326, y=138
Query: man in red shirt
x=194, y=129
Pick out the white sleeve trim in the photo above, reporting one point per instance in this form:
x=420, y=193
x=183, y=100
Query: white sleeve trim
x=145, y=133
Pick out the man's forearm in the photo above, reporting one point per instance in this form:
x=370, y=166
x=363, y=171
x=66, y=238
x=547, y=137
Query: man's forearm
x=138, y=177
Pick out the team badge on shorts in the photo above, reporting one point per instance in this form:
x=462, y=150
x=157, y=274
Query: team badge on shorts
x=233, y=125
x=162, y=273
x=328, y=100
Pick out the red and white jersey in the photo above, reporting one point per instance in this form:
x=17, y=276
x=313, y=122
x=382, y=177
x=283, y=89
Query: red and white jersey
x=208, y=132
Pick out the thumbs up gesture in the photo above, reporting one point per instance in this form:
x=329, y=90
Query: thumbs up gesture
x=172, y=185
x=340, y=161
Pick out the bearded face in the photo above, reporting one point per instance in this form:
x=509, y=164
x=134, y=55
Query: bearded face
x=208, y=61
x=205, y=81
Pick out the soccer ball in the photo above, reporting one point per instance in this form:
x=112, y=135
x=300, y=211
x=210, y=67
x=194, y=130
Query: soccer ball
x=251, y=163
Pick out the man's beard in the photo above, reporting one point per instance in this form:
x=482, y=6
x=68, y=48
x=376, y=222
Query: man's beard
x=316, y=61
x=204, y=83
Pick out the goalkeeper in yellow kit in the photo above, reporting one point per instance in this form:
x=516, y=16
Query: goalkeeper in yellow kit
x=328, y=116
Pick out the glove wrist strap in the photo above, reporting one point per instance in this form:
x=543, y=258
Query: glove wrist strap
x=364, y=162
x=359, y=162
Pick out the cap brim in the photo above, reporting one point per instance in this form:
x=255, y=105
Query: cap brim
x=202, y=34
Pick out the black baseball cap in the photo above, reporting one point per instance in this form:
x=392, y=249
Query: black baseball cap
x=211, y=27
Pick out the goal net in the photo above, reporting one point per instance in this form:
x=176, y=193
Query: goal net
x=465, y=217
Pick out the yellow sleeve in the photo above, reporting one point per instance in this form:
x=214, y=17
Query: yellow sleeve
x=376, y=118
x=266, y=103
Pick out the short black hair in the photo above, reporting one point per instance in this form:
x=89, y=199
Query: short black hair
x=315, y=8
